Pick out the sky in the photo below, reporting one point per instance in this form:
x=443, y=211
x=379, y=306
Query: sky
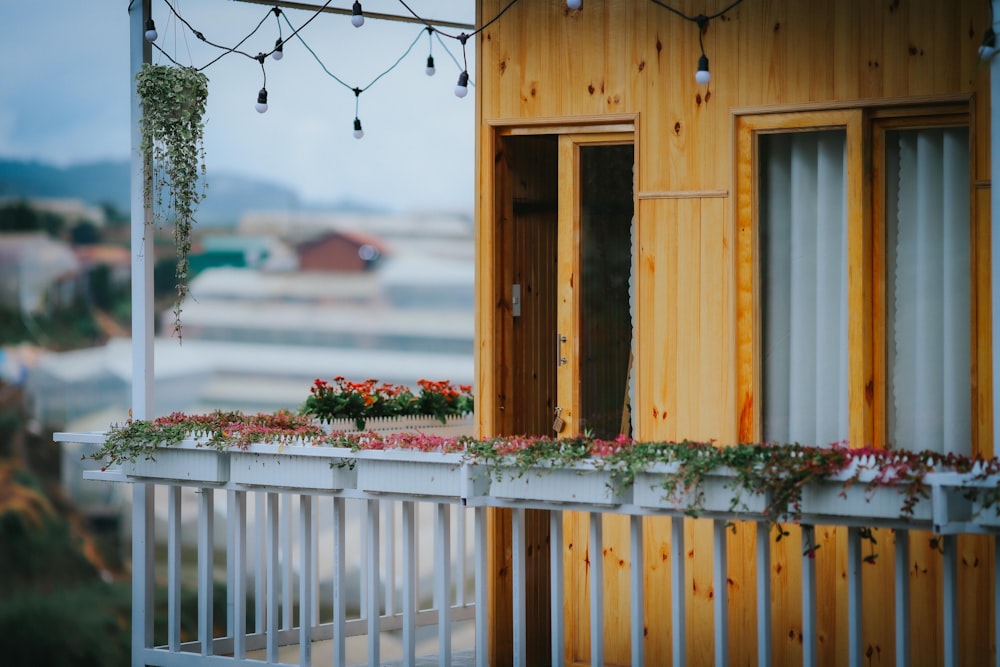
x=64, y=98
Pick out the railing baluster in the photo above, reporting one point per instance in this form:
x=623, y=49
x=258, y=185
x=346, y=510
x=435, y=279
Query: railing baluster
x=902, y=596
x=237, y=508
x=482, y=601
x=720, y=584
x=854, y=608
x=143, y=523
x=996, y=594
x=306, y=619
x=273, y=577
x=174, y=568
x=638, y=592
x=763, y=593
x=285, y=527
x=374, y=570
x=950, y=594
x=809, y=653
x=390, y=557
x=460, y=554
x=230, y=569
x=442, y=578
x=409, y=585
x=519, y=587
x=339, y=581
x=206, y=557
x=314, y=575
x=677, y=592
x=557, y=585
x=596, y=589
x=366, y=562
x=260, y=561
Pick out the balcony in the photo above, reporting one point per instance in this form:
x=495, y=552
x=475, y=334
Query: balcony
x=363, y=557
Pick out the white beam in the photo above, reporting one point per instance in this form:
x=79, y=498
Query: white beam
x=142, y=243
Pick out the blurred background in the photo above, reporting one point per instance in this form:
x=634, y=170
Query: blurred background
x=315, y=254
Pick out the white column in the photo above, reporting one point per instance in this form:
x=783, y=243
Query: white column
x=142, y=355
x=995, y=218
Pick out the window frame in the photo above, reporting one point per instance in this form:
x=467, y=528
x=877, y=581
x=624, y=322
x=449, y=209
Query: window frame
x=865, y=127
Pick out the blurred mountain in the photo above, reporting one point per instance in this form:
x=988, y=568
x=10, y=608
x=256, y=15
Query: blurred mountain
x=228, y=195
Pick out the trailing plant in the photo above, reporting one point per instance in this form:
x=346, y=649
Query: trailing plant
x=779, y=473
x=173, y=101
x=137, y=438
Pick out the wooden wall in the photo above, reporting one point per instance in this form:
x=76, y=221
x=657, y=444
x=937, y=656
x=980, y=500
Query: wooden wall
x=541, y=62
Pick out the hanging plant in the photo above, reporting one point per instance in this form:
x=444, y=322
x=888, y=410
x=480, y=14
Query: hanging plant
x=172, y=127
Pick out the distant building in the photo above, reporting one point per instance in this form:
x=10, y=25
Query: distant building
x=341, y=251
x=73, y=211
x=36, y=271
x=117, y=258
x=262, y=252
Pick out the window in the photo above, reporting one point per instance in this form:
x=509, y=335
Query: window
x=856, y=274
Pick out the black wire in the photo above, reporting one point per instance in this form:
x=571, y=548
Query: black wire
x=467, y=35
x=694, y=19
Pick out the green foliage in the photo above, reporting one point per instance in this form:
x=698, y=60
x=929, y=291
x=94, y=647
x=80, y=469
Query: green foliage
x=20, y=217
x=65, y=327
x=82, y=626
x=173, y=103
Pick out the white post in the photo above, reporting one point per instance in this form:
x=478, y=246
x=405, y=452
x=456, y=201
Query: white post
x=142, y=351
x=995, y=221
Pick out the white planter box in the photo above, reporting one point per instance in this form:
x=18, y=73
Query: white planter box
x=830, y=498
x=293, y=467
x=453, y=428
x=716, y=493
x=581, y=484
x=186, y=462
x=408, y=472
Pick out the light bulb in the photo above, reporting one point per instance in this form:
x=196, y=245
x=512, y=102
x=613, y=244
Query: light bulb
x=151, y=33
x=703, y=76
x=574, y=4
x=279, y=49
x=430, y=66
x=988, y=48
x=462, y=87
x=357, y=18
x=358, y=132
x=261, y=105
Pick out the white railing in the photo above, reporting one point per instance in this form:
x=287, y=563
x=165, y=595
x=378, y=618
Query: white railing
x=312, y=565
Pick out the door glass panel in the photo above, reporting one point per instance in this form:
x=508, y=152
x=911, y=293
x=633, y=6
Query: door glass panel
x=803, y=269
x=927, y=290
x=606, y=214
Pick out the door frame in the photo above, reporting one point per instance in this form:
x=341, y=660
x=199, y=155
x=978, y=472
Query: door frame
x=493, y=294
x=568, y=324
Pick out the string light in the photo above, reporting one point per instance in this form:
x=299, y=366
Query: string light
x=988, y=48
x=358, y=132
x=430, y=70
x=357, y=16
x=462, y=87
x=702, y=75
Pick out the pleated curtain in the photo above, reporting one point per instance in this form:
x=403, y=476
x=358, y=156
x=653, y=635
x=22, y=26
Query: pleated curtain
x=803, y=273
x=927, y=290
x=803, y=270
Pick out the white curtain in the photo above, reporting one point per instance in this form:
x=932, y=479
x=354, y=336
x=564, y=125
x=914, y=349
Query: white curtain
x=803, y=255
x=927, y=290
